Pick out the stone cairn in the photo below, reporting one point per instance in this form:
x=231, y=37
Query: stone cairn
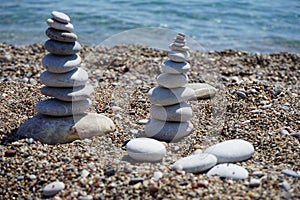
x=170, y=114
x=62, y=118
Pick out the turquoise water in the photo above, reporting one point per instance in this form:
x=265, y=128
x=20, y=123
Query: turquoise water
x=254, y=26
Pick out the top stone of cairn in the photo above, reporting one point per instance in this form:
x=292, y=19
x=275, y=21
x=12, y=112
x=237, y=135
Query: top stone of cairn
x=61, y=17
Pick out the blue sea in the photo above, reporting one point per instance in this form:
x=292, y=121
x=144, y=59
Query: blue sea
x=247, y=25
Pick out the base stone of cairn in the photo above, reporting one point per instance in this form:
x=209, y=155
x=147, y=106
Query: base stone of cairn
x=170, y=115
x=63, y=117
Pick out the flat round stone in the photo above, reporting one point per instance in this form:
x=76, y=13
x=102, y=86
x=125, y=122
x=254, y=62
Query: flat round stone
x=178, y=56
x=231, y=150
x=175, y=47
x=174, y=67
x=168, y=131
x=69, y=94
x=196, y=163
x=228, y=170
x=59, y=25
x=55, y=107
x=60, y=64
x=168, y=80
x=61, y=17
x=61, y=36
x=165, y=97
x=53, y=188
x=203, y=90
x=74, y=78
x=62, y=48
x=145, y=149
x=181, y=112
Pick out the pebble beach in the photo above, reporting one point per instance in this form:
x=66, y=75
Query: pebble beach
x=257, y=101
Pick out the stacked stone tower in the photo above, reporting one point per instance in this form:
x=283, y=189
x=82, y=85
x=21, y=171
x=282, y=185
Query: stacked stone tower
x=170, y=114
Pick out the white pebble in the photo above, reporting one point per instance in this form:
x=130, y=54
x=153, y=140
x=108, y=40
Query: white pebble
x=53, y=188
x=157, y=175
x=228, y=170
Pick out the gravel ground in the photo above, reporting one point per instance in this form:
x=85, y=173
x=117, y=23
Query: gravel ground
x=258, y=100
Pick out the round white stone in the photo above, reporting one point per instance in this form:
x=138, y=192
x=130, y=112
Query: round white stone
x=76, y=77
x=145, y=149
x=69, y=94
x=203, y=90
x=177, y=113
x=231, y=150
x=168, y=131
x=53, y=188
x=178, y=56
x=55, y=107
x=174, y=67
x=175, y=47
x=60, y=64
x=228, y=170
x=61, y=17
x=62, y=36
x=196, y=163
x=60, y=26
x=62, y=48
x=168, y=80
x=165, y=97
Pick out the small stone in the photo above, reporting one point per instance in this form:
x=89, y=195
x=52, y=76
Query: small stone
x=296, y=135
x=32, y=177
x=60, y=26
x=10, y=153
x=284, y=132
x=286, y=185
x=134, y=131
x=136, y=180
x=55, y=107
x=198, y=151
x=74, y=78
x=165, y=97
x=19, y=178
x=178, y=56
x=61, y=36
x=228, y=170
x=203, y=90
x=168, y=131
x=29, y=140
x=88, y=197
x=196, y=163
x=241, y=94
x=143, y=121
x=85, y=173
x=172, y=80
x=290, y=172
x=60, y=64
x=177, y=113
x=145, y=149
x=254, y=182
x=110, y=172
x=231, y=150
x=258, y=174
x=61, y=17
x=53, y=188
x=62, y=48
x=69, y=94
x=157, y=175
x=176, y=47
x=174, y=67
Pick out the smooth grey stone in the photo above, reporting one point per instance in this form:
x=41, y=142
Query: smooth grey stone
x=177, y=113
x=174, y=67
x=202, y=90
x=178, y=56
x=168, y=80
x=290, y=172
x=53, y=188
x=196, y=163
x=62, y=48
x=175, y=47
x=229, y=170
x=69, y=94
x=55, y=130
x=76, y=77
x=60, y=64
x=55, y=107
x=61, y=36
x=145, y=149
x=168, y=131
x=165, y=97
x=59, y=25
x=231, y=150
x=61, y=17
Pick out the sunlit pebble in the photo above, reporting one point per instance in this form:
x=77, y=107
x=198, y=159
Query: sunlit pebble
x=143, y=121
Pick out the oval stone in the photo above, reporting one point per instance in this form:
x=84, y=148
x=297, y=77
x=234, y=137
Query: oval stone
x=168, y=131
x=61, y=36
x=62, y=48
x=76, y=77
x=168, y=80
x=61, y=17
x=53, y=188
x=59, y=25
x=60, y=64
x=196, y=163
x=228, y=170
x=145, y=149
x=177, y=113
x=203, y=90
x=174, y=67
x=178, y=56
x=69, y=94
x=231, y=150
x=57, y=130
x=165, y=97
x=175, y=47
x=55, y=107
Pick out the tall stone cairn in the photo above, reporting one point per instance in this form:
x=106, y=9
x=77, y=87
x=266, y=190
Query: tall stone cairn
x=170, y=114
